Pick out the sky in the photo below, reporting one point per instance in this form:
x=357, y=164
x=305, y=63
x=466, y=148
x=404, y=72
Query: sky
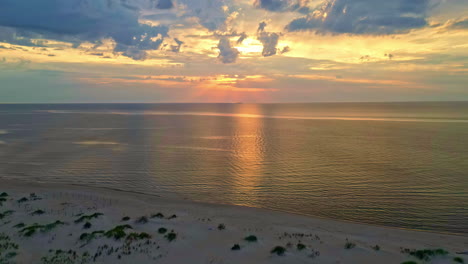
x=177, y=51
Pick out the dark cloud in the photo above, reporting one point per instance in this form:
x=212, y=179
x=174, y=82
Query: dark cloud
x=227, y=54
x=176, y=48
x=261, y=26
x=241, y=38
x=283, y=5
x=268, y=39
x=164, y=4
x=364, y=17
x=84, y=20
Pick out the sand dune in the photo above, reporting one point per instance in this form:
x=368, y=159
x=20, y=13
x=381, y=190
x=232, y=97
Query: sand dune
x=76, y=224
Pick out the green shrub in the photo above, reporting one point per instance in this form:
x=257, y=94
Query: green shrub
x=221, y=227
x=278, y=250
x=38, y=212
x=458, y=259
x=87, y=225
x=376, y=247
x=142, y=220
x=158, y=215
x=162, y=230
x=235, y=247
x=171, y=236
x=251, y=238
x=427, y=254
x=22, y=200
x=117, y=232
x=301, y=246
x=125, y=218
x=349, y=245
x=87, y=217
x=409, y=262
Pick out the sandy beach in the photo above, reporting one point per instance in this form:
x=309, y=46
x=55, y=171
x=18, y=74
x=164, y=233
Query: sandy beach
x=49, y=223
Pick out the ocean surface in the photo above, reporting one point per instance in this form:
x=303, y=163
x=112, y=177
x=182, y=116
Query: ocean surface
x=392, y=164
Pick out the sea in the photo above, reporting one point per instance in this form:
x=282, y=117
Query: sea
x=391, y=164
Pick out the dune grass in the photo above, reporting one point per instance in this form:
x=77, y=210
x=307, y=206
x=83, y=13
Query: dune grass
x=6, y=213
x=278, y=250
x=251, y=238
x=34, y=228
x=87, y=217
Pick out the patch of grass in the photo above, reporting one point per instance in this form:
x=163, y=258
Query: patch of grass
x=162, y=230
x=23, y=200
x=90, y=236
x=66, y=257
x=7, y=249
x=426, y=254
x=221, y=227
x=278, y=250
x=19, y=225
x=409, y=262
x=236, y=247
x=87, y=217
x=142, y=220
x=349, y=245
x=138, y=236
x=172, y=216
x=158, y=215
x=32, y=229
x=458, y=260
x=117, y=232
x=6, y=213
x=376, y=247
x=125, y=218
x=38, y=212
x=300, y=246
x=171, y=236
x=87, y=225
x=3, y=194
x=251, y=238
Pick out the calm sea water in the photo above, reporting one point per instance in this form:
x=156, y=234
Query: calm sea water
x=393, y=164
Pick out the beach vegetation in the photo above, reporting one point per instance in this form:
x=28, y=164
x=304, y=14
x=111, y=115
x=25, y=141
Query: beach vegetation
x=138, y=236
x=142, y=220
x=7, y=249
x=6, y=213
x=162, y=230
x=32, y=229
x=300, y=246
x=221, y=227
x=172, y=216
x=117, y=232
x=3, y=194
x=158, y=215
x=235, y=247
x=38, y=212
x=278, y=250
x=171, y=236
x=376, y=247
x=87, y=217
x=125, y=218
x=349, y=245
x=66, y=257
x=251, y=238
x=425, y=254
x=19, y=225
x=23, y=200
x=458, y=260
x=90, y=236
x=409, y=262
x=87, y=225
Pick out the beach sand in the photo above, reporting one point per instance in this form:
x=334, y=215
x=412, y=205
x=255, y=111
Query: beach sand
x=196, y=229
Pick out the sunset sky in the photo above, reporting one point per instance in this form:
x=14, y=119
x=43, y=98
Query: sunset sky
x=58, y=51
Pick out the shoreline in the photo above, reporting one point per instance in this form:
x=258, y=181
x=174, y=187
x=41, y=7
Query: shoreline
x=193, y=228
x=173, y=197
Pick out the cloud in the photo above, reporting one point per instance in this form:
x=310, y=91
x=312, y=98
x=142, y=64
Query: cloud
x=211, y=14
x=268, y=39
x=84, y=20
x=460, y=24
x=176, y=48
x=364, y=17
x=283, y=5
x=164, y=4
x=227, y=54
